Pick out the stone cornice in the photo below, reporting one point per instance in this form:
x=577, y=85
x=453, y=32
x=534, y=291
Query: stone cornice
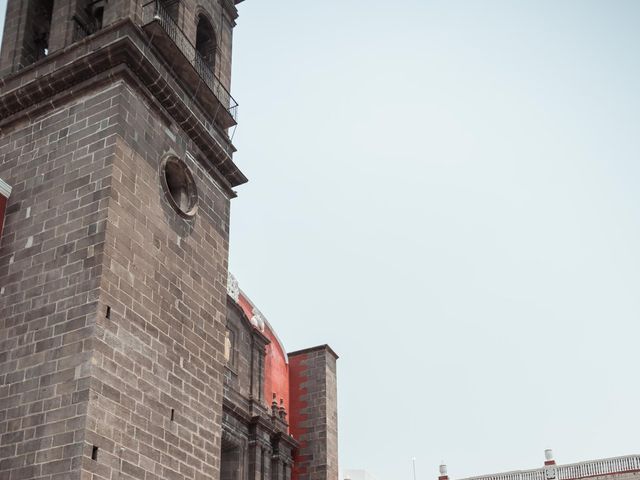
x=264, y=423
x=314, y=349
x=260, y=338
x=262, y=420
x=122, y=50
x=230, y=8
x=237, y=411
x=256, y=334
x=286, y=439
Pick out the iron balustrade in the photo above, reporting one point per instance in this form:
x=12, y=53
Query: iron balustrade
x=155, y=12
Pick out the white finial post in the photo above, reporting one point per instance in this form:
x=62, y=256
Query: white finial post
x=443, y=473
x=548, y=457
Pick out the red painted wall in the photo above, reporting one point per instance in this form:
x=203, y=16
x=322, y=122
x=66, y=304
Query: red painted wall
x=298, y=376
x=246, y=306
x=3, y=206
x=276, y=367
x=276, y=371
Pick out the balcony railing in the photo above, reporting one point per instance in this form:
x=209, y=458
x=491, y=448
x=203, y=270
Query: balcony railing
x=574, y=471
x=155, y=12
x=605, y=466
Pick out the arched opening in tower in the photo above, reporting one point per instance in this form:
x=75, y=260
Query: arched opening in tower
x=36, y=45
x=206, y=43
x=95, y=13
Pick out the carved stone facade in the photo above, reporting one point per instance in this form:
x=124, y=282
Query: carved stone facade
x=279, y=410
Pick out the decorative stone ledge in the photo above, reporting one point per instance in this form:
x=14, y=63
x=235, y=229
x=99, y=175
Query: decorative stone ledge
x=318, y=348
x=233, y=288
x=121, y=50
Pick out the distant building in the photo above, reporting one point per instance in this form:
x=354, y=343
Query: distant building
x=618, y=468
x=357, y=475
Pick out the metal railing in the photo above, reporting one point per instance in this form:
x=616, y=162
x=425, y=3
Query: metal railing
x=519, y=475
x=606, y=466
x=154, y=11
x=574, y=471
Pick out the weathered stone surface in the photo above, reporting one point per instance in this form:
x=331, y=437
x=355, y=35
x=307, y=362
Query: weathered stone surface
x=112, y=308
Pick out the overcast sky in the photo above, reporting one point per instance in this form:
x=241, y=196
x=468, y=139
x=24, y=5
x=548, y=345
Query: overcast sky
x=446, y=192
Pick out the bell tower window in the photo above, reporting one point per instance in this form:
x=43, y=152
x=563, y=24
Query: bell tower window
x=205, y=43
x=89, y=19
x=96, y=12
x=36, y=45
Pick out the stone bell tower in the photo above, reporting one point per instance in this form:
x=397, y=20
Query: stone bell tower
x=114, y=138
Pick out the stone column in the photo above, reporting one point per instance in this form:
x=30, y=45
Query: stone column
x=255, y=461
x=276, y=469
x=266, y=464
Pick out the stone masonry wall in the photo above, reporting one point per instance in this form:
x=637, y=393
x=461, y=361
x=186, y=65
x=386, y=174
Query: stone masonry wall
x=50, y=265
x=156, y=394
x=88, y=227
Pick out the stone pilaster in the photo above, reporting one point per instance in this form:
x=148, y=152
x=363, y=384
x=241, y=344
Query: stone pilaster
x=313, y=418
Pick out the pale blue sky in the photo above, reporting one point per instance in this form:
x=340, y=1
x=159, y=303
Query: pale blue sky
x=446, y=192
